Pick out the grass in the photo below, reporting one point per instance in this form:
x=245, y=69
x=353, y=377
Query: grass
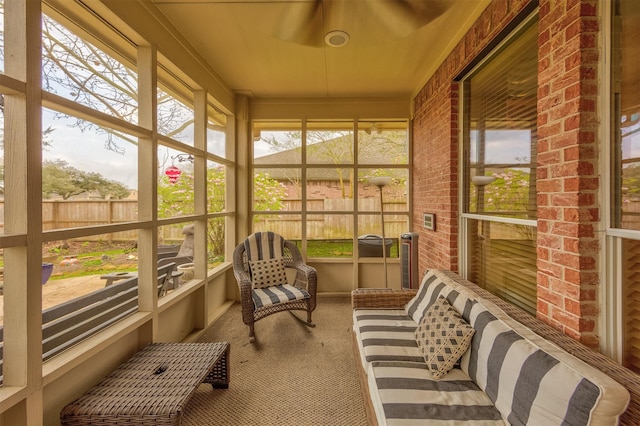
x=336, y=249
x=96, y=263
x=108, y=260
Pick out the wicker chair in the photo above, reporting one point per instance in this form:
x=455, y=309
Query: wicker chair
x=260, y=300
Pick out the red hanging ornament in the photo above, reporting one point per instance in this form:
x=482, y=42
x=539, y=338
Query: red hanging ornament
x=173, y=173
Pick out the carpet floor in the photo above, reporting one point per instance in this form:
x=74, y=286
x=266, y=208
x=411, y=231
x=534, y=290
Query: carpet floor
x=291, y=375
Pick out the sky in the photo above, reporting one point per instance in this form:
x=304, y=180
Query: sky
x=86, y=151
x=504, y=146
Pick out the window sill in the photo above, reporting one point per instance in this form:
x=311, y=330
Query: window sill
x=83, y=351
x=10, y=396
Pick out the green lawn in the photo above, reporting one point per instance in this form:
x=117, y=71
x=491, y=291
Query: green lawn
x=336, y=248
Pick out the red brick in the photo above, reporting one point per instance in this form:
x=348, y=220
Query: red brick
x=573, y=30
x=571, y=245
x=588, y=8
x=542, y=307
x=549, y=241
x=590, y=284
x=543, y=226
x=566, y=259
x=548, y=213
x=586, y=230
x=588, y=311
x=542, y=252
x=548, y=296
x=572, y=276
x=552, y=270
x=572, y=307
x=561, y=200
x=542, y=199
x=566, y=319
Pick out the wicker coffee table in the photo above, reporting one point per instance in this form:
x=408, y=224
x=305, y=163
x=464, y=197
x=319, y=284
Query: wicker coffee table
x=153, y=387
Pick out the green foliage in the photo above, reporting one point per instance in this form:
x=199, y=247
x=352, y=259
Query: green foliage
x=631, y=183
x=92, y=263
x=508, y=193
x=268, y=193
x=66, y=181
x=176, y=199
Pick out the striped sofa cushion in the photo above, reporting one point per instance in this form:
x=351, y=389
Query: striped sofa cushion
x=435, y=284
x=385, y=335
x=268, y=296
x=406, y=394
x=529, y=380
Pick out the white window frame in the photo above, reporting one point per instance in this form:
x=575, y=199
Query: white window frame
x=465, y=218
x=611, y=291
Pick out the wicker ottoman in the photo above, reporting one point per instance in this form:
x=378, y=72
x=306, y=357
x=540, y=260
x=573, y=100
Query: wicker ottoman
x=153, y=387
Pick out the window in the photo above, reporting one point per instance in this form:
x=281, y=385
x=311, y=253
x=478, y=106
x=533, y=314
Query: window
x=499, y=174
x=220, y=168
x=81, y=71
x=624, y=241
x=175, y=115
x=317, y=171
x=175, y=183
x=84, y=182
x=96, y=194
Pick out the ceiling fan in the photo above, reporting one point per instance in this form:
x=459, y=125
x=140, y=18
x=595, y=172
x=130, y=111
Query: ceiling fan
x=309, y=22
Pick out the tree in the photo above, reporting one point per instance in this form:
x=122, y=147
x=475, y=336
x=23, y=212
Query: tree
x=268, y=193
x=337, y=148
x=66, y=181
x=85, y=73
x=176, y=199
x=509, y=193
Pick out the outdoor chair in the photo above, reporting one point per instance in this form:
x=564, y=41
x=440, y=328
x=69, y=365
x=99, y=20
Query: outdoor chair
x=260, y=265
x=185, y=253
x=165, y=257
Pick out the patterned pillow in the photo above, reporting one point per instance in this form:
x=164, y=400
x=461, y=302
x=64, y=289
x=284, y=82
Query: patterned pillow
x=268, y=272
x=442, y=337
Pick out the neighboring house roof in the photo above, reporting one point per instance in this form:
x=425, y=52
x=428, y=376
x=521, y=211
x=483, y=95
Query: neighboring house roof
x=328, y=169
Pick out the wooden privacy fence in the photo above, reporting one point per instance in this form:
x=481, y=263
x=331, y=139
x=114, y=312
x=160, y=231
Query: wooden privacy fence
x=321, y=226
x=61, y=214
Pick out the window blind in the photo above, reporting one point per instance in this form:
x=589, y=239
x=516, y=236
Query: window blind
x=501, y=137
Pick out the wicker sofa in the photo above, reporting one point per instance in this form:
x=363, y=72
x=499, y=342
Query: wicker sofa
x=508, y=375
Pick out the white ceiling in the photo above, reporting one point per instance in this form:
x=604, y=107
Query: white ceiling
x=276, y=49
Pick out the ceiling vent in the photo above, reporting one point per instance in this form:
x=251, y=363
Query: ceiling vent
x=336, y=38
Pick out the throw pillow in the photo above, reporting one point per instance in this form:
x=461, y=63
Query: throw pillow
x=268, y=272
x=443, y=337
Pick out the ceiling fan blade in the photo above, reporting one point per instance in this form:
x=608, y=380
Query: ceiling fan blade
x=403, y=17
x=301, y=23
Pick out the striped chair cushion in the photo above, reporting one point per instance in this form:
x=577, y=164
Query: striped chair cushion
x=406, y=394
x=385, y=335
x=528, y=384
x=264, y=245
x=263, y=297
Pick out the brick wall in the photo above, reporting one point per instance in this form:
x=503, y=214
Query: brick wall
x=435, y=140
x=567, y=171
x=567, y=179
